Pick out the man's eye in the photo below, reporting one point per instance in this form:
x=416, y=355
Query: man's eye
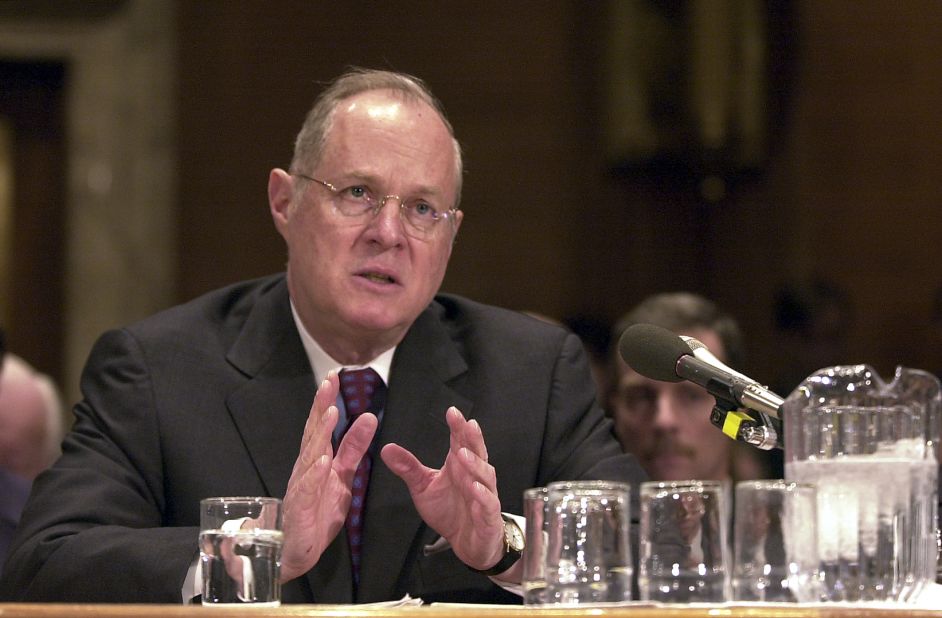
x=425, y=210
x=358, y=193
x=638, y=399
x=693, y=395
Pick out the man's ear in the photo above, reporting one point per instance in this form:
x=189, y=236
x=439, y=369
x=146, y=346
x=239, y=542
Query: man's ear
x=280, y=197
x=459, y=215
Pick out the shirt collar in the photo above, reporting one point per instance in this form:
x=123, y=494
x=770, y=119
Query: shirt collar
x=321, y=361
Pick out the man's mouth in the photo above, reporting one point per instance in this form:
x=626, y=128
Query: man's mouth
x=378, y=277
x=672, y=449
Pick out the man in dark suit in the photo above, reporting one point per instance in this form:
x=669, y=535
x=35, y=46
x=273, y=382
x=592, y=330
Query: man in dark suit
x=214, y=397
x=14, y=489
x=30, y=433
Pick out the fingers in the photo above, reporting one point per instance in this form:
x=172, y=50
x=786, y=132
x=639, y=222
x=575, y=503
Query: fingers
x=465, y=434
x=317, y=446
x=356, y=441
x=232, y=562
x=323, y=400
x=469, y=451
x=308, y=482
x=475, y=479
x=477, y=532
x=485, y=503
x=319, y=427
x=469, y=471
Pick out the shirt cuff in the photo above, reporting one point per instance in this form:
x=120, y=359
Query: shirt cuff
x=441, y=544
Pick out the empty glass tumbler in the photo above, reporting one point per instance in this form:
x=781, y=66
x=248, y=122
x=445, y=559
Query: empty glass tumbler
x=535, y=501
x=588, y=555
x=775, y=542
x=684, y=554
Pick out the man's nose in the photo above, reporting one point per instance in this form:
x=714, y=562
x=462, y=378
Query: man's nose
x=666, y=412
x=387, y=222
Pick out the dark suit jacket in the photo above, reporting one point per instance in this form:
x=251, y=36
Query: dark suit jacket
x=14, y=490
x=210, y=399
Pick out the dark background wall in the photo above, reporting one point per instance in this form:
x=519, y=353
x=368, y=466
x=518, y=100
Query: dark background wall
x=848, y=187
x=513, y=77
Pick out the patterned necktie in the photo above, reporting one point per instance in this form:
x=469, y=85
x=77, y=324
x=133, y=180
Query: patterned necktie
x=362, y=391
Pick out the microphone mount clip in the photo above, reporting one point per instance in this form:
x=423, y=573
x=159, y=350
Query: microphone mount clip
x=743, y=425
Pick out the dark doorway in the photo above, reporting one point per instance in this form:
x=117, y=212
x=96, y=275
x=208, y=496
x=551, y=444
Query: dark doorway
x=32, y=110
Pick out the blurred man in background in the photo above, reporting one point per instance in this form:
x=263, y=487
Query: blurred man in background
x=31, y=429
x=666, y=425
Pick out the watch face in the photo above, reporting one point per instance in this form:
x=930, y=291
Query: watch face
x=514, y=536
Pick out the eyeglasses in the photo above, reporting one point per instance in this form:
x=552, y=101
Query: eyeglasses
x=421, y=217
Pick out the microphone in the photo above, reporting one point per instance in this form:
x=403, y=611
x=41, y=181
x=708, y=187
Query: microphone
x=755, y=397
x=659, y=354
x=702, y=352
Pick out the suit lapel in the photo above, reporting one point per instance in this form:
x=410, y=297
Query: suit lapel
x=422, y=377
x=270, y=411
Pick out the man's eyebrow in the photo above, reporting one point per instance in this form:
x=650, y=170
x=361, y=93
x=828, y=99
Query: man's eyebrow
x=634, y=387
x=373, y=180
x=357, y=176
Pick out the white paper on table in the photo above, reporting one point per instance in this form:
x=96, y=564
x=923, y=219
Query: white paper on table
x=405, y=601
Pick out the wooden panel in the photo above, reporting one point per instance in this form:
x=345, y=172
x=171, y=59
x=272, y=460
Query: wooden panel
x=850, y=189
x=31, y=100
x=250, y=70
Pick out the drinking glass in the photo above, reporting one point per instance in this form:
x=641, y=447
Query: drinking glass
x=775, y=542
x=240, y=550
x=588, y=555
x=684, y=551
x=535, y=501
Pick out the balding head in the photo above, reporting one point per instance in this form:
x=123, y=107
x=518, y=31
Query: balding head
x=31, y=425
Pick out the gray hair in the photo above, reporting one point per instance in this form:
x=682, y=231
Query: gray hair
x=684, y=312
x=17, y=369
x=309, y=144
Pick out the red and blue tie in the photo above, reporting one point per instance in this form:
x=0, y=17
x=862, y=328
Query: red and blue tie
x=362, y=391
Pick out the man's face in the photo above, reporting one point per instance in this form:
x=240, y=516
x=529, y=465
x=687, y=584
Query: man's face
x=667, y=424
x=358, y=286
x=22, y=424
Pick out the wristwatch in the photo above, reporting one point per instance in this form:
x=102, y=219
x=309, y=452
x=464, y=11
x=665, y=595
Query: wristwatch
x=513, y=548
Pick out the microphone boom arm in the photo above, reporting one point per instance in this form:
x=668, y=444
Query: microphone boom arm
x=739, y=424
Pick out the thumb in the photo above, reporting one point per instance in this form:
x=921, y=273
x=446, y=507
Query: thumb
x=406, y=466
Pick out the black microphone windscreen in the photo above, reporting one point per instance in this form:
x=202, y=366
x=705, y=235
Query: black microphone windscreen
x=652, y=351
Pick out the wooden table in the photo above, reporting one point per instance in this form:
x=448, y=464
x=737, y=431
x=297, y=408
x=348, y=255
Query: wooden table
x=49, y=610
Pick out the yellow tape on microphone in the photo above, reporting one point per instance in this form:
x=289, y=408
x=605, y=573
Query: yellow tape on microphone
x=733, y=421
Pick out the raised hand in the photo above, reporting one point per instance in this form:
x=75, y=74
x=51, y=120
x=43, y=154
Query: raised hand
x=459, y=501
x=318, y=495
